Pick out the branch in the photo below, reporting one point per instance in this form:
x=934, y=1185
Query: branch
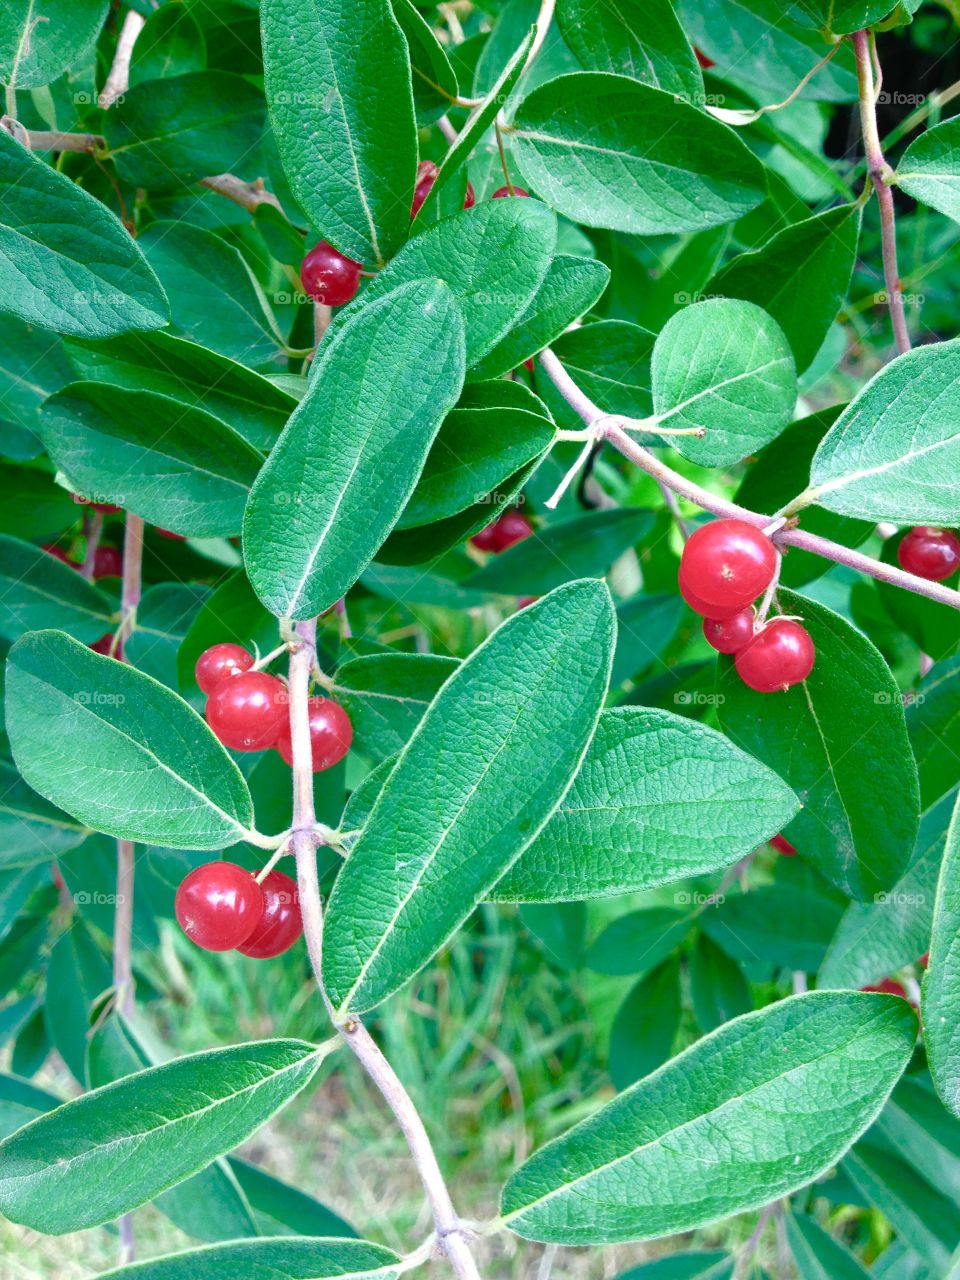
x=94, y=531
x=250, y=195
x=118, y=80
x=451, y=1233
x=608, y=427
x=52, y=139
x=880, y=175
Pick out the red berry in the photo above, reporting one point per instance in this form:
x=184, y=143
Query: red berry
x=104, y=644
x=512, y=527
x=219, y=662
x=889, y=986
x=167, y=533
x=107, y=562
x=702, y=58
x=58, y=553
x=328, y=276
x=330, y=734
x=470, y=199
x=505, y=191
x=727, y=563
x=718, y=613
x=281, y=924
x=930, y=553
x=782, y=845
x=426, y=176
x=248, y=711
x=219, y=905
x=528, y=365
x=781, y=655
x=486, y=539
x=730, y=635
x=924, y=960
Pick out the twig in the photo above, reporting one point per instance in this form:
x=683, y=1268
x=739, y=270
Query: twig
x=118, y=79
x=451, y=1232
x=94, y=531
x=52, y=139
x=249, y=195
x=608, y=428
x=880, y=175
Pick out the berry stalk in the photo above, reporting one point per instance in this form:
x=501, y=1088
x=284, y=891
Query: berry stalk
x=607, y=428
x=451, y=1233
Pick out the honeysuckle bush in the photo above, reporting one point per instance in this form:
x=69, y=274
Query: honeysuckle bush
x=381, y=382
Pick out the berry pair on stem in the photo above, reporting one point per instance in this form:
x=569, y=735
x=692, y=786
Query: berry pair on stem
x=249, y=710
x=222, y=907
x=725, y=566
x=511, y=527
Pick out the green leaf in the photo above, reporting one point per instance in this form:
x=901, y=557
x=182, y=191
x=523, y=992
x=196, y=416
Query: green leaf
x=38, y=590
x=560, y=930
x=646, y=1026
x=929, y=169
x=725, y=366
x=345, y=125
x=475, y=453
x=103, y=1154
x=173, y=464
x=284, y=1259
x=923, y=1132
x=817, y=1255
x=800, y=276
x=351, y=454
x=21, y=1101
x=646, y=625
x=386, y=695
x=610, y=361
x=231, y=613
x=636, y=38
x=751, y=40
x=718, y=989
x=785, y=925
x=41, y=39
x=640, y=940
x=435, y=85
x=933, y=723
x=31, y=830
x=840, y=16
x=706, y=1264
x=894, y=452
x=32, y=367
x=657, y=799
x=776, y=477
x=571, y=287
x=817, y=735
x=216, y=299
x=117, y=750
x=80, y=975
x=925, y=1220
x=280, y=1209
x=751, y=1112
x=163, y=134
x=171, y=43
x=186, y=371
x=584, y=545
x=32, y=506
x=493, y=257
x=877, y=938
x=941, y=982
x=163, y=617
x=477, y=125
x=608, y=151
x=66, y=262
x=485, y=785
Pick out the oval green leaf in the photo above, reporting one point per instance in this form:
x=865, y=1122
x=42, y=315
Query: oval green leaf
x=275, y=1259
x=117, y=750
x=488, y=768
x=751, y=1112
x=39, y=590
x=941, y=982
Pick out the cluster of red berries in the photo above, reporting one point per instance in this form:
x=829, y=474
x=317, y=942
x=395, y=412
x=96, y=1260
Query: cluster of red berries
x=930, y=553
x=222, y=907
x=513, y=526
x=725, y=566
x=248, y=710
x=332, y=278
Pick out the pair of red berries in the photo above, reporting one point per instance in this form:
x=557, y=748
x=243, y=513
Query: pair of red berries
x=511, y=527
x=332, y=278
x=107, y=560
x=221, y=907
x=249, y=710
x=930, y=553
x=725, y=566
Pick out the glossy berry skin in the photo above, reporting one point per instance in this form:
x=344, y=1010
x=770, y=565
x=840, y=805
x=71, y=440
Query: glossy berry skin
x=781, y=655
x=501, y=192
x=330, y=734
x=219, y=663
x=512, y=527
x=930, y=553
x=726, y=564
x=729, y=635
x=889, y=986
x=103, y=645
x=486, y=539
x=248, y=711
x=281, y=924
x=107, y=562
x=783, y=845
x=426, y=176
x=219, y=905
x=702, y=58
x=328, y=276
x=168, y=533
x=470, y=198
x=716, y=612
